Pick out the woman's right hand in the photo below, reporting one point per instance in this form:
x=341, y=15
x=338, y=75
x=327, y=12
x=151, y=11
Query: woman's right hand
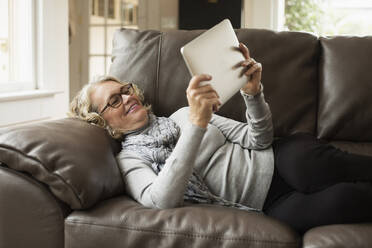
x=203, y=100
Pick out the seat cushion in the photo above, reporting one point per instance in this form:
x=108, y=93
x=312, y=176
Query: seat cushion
x=362, y=148
x=339, y=236
x=122, y=222
x=74, y=159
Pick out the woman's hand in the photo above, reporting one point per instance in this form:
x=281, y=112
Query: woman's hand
x=253, y=71
x=203, y=100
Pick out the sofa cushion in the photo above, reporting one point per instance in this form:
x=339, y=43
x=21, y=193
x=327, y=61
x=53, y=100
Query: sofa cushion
x=74, y=159
x=345, y=103
x=339, y=236
x=29, y=214
x=362, y=148
x=122, y=222
x=152, y=59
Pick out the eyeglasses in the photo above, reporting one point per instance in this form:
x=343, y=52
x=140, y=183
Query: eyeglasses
x=116, y=99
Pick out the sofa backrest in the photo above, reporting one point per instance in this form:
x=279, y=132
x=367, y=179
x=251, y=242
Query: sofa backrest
x=345, y=89
x=152, y=59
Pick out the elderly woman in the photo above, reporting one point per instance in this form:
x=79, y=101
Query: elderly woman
x=196, y=156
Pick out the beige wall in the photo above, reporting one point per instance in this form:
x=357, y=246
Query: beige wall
x=158, y=14
x=168, y=14
x=79, y=45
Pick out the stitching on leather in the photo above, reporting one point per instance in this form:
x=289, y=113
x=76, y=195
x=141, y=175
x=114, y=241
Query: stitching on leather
x=187, y=235
x=45, y=168
x=158, y=71
x=318, y=71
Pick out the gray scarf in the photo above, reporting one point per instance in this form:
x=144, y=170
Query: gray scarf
x=155, y=143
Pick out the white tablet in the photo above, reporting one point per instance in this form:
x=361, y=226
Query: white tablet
x=215, y=52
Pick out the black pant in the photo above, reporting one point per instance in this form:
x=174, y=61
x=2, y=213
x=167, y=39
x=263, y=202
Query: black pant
x=317, y=184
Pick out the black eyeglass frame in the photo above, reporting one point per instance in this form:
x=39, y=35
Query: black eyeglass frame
x=124, y=90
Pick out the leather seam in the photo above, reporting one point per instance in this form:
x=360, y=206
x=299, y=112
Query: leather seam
x=188, y=235
x=45, y=168
x=318, y=71
x=158, y=71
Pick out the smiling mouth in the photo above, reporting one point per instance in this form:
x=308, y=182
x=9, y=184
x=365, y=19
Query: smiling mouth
x=132, y=108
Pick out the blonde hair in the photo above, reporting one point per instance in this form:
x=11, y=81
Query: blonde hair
x=82, y=107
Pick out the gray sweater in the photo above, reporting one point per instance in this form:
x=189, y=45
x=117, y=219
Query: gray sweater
x=234, y=159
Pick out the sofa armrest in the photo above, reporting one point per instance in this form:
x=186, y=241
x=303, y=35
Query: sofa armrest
x=74, y=159
x=30, y=216
x=341, y=236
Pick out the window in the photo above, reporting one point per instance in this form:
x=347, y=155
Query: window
x=329, y=17
x=106, y=16
x=17, y=45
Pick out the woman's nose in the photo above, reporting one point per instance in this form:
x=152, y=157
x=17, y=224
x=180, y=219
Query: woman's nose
x=126, y=98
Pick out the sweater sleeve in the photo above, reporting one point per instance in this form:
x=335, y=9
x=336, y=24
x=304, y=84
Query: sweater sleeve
x=165, y=190
x=257, y=133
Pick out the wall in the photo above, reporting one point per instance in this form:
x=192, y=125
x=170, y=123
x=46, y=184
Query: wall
x=158, y=14
x=79, y=45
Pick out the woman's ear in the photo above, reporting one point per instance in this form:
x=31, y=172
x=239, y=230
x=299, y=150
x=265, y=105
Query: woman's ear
x=95, y=118
x=116, y=134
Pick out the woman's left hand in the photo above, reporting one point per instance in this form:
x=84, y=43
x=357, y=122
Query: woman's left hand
x=253, y=71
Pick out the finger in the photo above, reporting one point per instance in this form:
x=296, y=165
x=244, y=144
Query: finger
x=255, y=68
x=195, y=80
x=206, y=88
x=243, y=63
x=213, y=104
x=202, y=90
x=216, y=107
x=209, y=95
x=247, y=65
x=248, y=62
x=244, y=49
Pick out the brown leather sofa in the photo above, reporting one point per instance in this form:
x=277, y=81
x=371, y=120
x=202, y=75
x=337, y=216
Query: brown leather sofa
x=60, y=185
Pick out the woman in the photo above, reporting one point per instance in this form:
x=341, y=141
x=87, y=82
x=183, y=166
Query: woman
x=196, y=156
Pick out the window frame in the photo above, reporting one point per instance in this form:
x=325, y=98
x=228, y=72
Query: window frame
x=15, y=85
x=106, y=55
x=330, y=7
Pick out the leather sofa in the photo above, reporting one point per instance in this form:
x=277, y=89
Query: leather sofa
x=59, y=181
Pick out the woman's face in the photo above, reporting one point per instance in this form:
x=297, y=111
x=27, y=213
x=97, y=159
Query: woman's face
x=130, y=115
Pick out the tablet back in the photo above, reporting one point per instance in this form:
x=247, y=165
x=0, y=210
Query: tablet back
x=215, y=52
